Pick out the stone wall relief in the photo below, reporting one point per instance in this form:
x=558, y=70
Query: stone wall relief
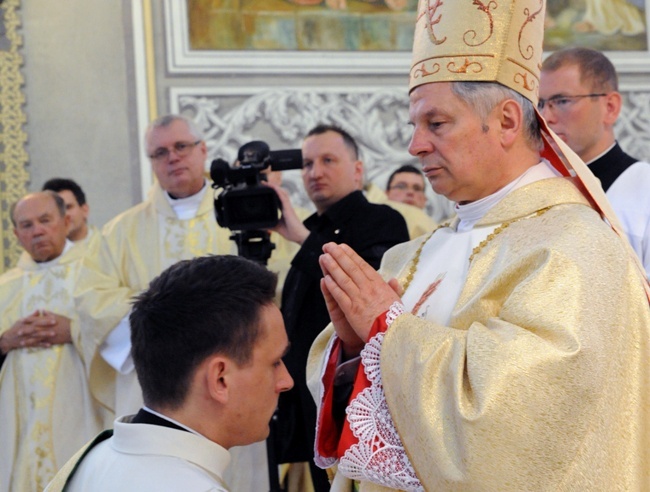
x=14, y=176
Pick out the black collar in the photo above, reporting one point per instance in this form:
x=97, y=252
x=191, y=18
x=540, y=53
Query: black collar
x=145, y=417
x=610, y=166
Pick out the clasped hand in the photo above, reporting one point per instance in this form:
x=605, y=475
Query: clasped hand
x=355, y=294
x=39, y=329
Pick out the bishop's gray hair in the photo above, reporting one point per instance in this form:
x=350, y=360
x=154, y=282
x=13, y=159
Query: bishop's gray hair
x=484, y=96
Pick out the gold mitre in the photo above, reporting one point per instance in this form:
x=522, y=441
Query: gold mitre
x=481, y=41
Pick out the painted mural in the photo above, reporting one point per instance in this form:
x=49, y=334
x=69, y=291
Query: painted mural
x=387, y=25
x=606, y=25
x=302, y=25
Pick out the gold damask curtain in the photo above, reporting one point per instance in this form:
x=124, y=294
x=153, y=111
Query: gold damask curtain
x=13, y=156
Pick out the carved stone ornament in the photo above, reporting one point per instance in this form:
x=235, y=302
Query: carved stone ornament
x=13, y=157
x=378, y=119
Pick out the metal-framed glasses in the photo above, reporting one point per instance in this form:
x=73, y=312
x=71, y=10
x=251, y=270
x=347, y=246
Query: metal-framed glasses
x=180, y=148
x=405, y=186
x=562, y=103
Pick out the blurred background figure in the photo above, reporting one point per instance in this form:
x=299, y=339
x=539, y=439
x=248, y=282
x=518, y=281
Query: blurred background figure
x=407, y=185
x=46, y=408
x=579, y=99
x=78, y=210
x=75, y=206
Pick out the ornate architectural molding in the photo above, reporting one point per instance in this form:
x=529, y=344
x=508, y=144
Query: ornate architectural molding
x=377, y=117
x=14, y=177
x=632, y=125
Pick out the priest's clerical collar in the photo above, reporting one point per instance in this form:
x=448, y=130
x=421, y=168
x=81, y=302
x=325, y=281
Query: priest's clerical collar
x=186, y=208
x=601, y=154
x=46, y=264
x=175, y=422
x=470, y=213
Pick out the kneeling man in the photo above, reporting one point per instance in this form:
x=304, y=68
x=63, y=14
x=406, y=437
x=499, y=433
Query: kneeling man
x=207, y=343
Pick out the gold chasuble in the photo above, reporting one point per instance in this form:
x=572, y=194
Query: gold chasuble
x=148, y=238
x=46, y=408
x=538, y=381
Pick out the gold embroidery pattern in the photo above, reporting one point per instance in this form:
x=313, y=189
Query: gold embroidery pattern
x=430, y=12
x=421, y=71
x=527, y=79
x=416, y=257
x=523, y=79
x=185, y=239
x=530, y=51
x=502, y=228
x=476, y=62
x=42, y=382
x=47, y=289
x=476, y=67
x=13, y=174
x=486, y=9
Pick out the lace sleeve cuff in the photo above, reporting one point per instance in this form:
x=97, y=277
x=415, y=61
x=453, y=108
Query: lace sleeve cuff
x=378, y=456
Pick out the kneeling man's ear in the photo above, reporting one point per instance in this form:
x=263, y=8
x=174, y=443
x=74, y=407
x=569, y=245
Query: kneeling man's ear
x=216, y=371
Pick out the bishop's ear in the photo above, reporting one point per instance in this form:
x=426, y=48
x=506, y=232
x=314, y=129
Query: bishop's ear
x=511, y=118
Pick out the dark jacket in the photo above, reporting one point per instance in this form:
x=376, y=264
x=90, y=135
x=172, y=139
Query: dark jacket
x=368, y=229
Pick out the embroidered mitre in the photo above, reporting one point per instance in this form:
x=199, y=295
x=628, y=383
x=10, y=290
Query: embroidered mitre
x=481, y=41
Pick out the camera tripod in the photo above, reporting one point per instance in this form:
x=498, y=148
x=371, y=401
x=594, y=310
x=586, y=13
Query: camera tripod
x=254, y=245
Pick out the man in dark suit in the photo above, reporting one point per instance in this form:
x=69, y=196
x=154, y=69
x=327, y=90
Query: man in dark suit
x=332, y=175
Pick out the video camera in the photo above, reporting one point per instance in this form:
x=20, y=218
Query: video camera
x=247, y=206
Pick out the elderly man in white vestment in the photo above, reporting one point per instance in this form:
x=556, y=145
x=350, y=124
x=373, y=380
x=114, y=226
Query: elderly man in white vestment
x=509, y=349
x=176, y=222
x=208, y=342
x=46, y=407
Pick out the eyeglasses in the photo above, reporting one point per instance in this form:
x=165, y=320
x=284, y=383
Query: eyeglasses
x=180, y=148
x=404, y=186
x=562, y=103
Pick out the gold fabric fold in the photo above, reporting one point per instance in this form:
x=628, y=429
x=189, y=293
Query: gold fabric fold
x=540, y=381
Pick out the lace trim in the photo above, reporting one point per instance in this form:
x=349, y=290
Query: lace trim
x=379, y=457
x=393, y=312
x=322, y=461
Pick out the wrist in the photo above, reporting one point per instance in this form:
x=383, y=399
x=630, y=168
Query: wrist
x=4, y=346
x=350, y=350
